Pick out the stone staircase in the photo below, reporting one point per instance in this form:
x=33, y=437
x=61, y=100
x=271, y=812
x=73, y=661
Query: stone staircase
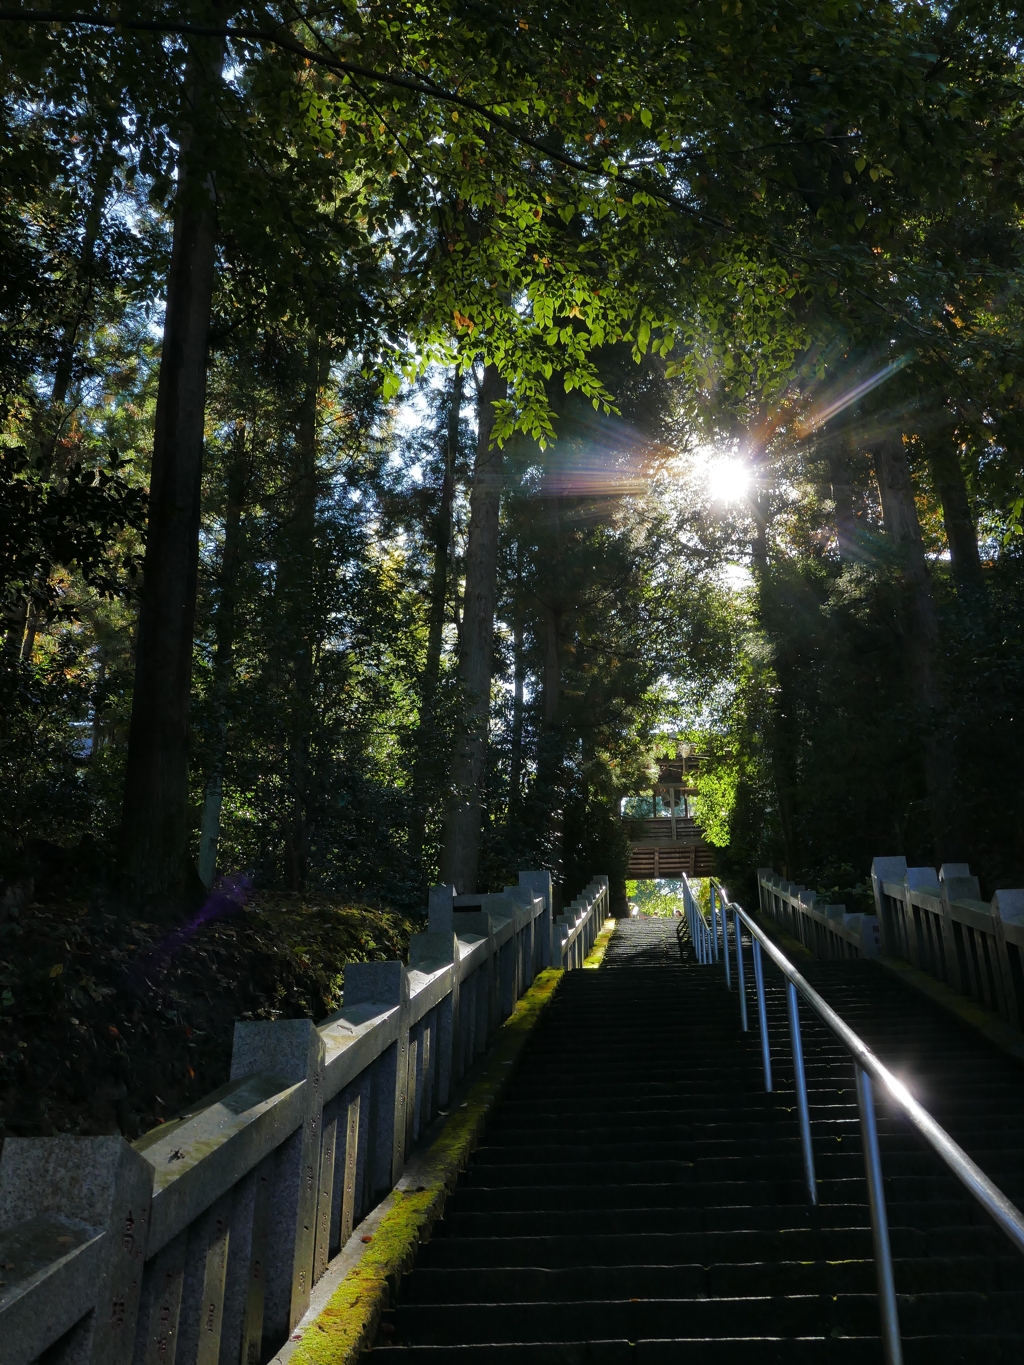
x=639, y=1197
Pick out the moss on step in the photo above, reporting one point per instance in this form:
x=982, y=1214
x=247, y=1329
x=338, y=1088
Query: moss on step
x=347, y=1324
x=596, y=955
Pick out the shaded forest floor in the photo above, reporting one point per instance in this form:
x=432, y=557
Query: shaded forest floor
x=114, y=1025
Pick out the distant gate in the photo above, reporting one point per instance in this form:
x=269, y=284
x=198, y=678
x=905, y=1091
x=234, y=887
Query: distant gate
x=670, y=844
x=651, y=861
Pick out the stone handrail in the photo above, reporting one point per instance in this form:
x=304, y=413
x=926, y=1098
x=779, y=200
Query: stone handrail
x=938, y=922
x=935, y=920
x=573, y=933
x=200, y=1243
x=828, y=931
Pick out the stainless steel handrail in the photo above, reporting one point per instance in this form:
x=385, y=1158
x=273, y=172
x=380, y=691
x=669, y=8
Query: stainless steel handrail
x=696, y=925
x=869, y=1071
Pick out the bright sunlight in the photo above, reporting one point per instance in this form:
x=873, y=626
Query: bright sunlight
x=728, y=478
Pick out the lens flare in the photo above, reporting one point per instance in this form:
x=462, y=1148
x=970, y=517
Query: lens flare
x=827, y=408
x=228, y=895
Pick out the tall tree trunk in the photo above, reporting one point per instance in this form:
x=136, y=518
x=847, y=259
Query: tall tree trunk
x=154, y=821
x=920, y=628
x=97, y=736
x=460, y=849
x=515, y=775
x=298, y=574
x=780, y=720
x=28, y=645
x=224, y=653
x=961, y=533
x=549, y=785
x=842, y=494
x=426, y=736
x=552, y=664
x=550, y=756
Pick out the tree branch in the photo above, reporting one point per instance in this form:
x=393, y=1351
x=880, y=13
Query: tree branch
x=324, y=57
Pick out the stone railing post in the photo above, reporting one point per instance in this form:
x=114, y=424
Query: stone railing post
x=764, y=895
x=502, y=984
x=440, y=942
x=810, y=928
x=385, y=984
x=1008, y=908
x=441, y=909
x=540, y=884
x=97, y=1181
x=954, y=881
x=606, y=904
x=479, y=990
x=293, y=1050
x=521, y=898
x=439, y=945
x=568, y=922
x=919, y=879
x=887, y=870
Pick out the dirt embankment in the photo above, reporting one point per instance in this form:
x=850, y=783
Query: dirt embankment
x=110, y=1025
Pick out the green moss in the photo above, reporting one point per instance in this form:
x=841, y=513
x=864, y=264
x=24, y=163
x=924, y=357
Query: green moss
x=348, y=1322
x=596, y=955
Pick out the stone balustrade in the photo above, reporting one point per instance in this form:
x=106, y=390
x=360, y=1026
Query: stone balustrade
x=200, y=1243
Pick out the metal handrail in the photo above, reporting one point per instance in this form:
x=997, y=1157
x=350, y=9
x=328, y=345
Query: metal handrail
x=698, y=927
x=869, y=1070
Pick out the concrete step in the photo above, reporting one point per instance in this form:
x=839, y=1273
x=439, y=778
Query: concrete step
x=533, y=1284
x=930, y=1350
x=637, y=1196
x=978, y=1237
x=778, y=1316
x=582, y=1244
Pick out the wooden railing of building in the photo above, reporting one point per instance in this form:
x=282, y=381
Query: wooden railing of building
x=651, y=861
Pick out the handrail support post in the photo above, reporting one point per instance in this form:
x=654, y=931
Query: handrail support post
x=892, y=1346
x=800, y=1082
x=741, y=983
x=725, y=944
x=762, y=1017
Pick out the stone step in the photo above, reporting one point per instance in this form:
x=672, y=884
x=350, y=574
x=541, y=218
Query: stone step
x=638, y=1196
